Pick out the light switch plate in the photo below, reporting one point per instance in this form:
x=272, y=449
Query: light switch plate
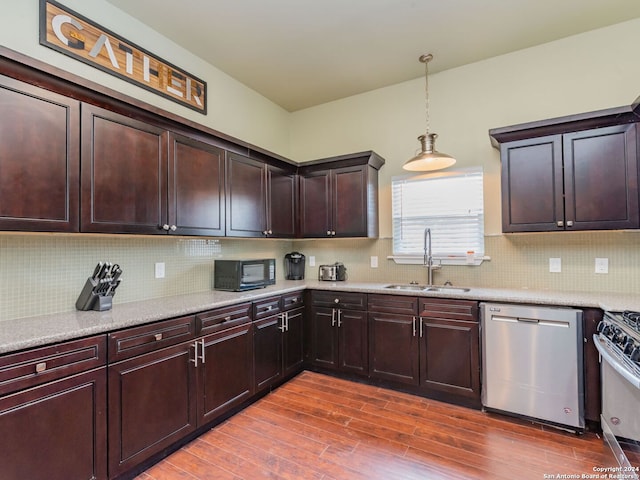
x=160, y=270
x=555, y=265
x=374, y=261
x=312, y=261
x=602, y=265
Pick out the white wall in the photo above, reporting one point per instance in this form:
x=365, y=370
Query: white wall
x=233, y=108
x=591, y=71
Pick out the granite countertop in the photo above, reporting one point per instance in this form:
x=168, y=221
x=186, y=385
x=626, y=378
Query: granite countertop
x=47, y=329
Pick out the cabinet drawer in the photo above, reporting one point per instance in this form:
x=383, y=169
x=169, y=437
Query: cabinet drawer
x=466, y=310
x=266, y=308
x=134, y=341
x=33, y=367
x=397, y=304
x=292, y=300
x=223, y=318
x=347, y=300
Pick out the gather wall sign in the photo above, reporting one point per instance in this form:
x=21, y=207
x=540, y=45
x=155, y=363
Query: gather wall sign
x=76, y=36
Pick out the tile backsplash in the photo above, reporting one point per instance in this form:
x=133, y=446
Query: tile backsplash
x=44, y=273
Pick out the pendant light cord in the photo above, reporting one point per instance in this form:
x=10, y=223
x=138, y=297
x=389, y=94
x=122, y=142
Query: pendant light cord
x=426, y=59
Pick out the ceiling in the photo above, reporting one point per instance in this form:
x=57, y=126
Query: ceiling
x=301, y=53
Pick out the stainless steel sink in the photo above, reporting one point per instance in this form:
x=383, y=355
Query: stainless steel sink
x=447, y=289
x=406, y=287
x=425, y=288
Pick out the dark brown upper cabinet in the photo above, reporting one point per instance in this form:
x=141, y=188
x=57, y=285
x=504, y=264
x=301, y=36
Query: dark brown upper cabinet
x=339, y=196
x=260, y=198
x=574, y=178
x=140, y=178
x=39, y=159
x=196, y=187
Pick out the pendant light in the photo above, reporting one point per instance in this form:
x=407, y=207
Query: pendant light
x=429, y=158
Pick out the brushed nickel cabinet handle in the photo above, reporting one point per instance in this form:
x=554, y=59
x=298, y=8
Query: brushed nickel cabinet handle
x=41, y=367
x=158, y=336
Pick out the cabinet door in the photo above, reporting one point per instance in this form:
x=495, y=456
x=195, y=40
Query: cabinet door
x=124, y=174
x=267, y=351
x=532, y=185
x=281, y=202
x=225, y=378
x=39, y=159
x=152, y=404
x=246, y=197
x=324, y=339
x=293, y=346
x=56, y=431
x=353, y=341
x=449, y=357
x=601, y=178
x=315, y=209
x=196, y=187
x=393, y=347
x=349, y=201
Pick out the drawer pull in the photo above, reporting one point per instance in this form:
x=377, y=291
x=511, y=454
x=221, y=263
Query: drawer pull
x=269, y=308
x=336, y=300
x=158, y=336
x=41, y=367
x=227, y=318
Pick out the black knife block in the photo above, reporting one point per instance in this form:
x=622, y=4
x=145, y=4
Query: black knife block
x=89, y=300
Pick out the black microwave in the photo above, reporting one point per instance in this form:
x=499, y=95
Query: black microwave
x=239, y=275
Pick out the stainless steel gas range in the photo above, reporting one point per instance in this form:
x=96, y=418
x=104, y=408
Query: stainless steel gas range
x=618, y=342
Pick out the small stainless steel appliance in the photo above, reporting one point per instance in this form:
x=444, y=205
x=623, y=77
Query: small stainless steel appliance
x=294, y=266
x=618, y=342
x=533, y=363
x=332, y=273
x=240, y=275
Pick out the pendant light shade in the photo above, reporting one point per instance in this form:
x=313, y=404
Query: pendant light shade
x=429, y=159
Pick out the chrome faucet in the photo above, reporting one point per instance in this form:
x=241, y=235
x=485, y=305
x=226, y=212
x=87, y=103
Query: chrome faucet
x=428, y=257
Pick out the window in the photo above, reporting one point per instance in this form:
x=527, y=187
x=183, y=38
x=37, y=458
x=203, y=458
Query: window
x=450, y=204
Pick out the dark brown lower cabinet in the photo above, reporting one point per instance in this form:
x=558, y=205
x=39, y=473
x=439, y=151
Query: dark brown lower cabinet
x=152, y=404
x=393, y=348
x=225, y=377
x=278, y=348
x=56, y=431
x=436, y=351
x=450, y=360
x=339, y=339
x=267, y=351
x=449, y=347
x=293, y=342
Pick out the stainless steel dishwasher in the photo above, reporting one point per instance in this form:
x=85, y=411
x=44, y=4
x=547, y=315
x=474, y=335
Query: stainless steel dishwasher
x=532, y=362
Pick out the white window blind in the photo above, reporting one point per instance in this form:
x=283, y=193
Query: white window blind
x=449, y=203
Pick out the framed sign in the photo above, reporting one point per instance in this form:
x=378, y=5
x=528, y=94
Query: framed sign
x=76, y=36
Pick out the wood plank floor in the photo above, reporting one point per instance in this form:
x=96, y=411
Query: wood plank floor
x=319, y=427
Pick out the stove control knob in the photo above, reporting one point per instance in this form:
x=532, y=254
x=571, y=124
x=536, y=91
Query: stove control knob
x=600, y=326
x=606, y=330
x=614, y=334
x=635, y=355
x=628, y=346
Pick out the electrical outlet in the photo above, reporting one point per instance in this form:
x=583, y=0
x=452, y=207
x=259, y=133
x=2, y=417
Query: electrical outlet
x=602, y=265
x=160, y=270
x=312, y=261
x=374, y=262
x=555, y=265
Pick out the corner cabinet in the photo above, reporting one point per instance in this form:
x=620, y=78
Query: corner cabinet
x=585, y=179
x=339, y=329
x=261, y=199
x=39, y=159
x=328, y=186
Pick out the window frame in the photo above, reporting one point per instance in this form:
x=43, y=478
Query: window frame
x=457, y=259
